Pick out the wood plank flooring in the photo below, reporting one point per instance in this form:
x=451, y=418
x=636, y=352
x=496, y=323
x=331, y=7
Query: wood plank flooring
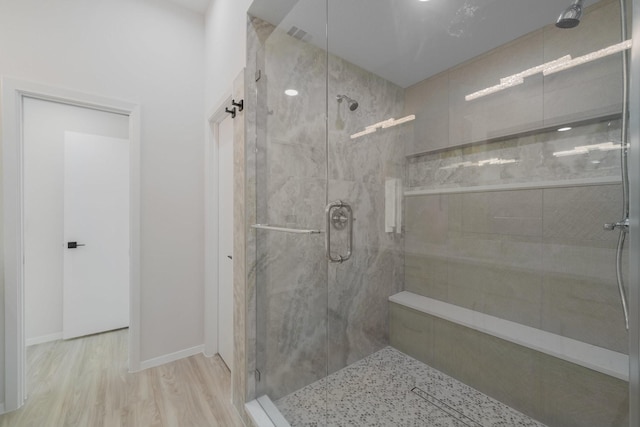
x=84, y=382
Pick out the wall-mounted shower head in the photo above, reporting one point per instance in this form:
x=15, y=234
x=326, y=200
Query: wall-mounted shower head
x=571, y=16
x=353, y=104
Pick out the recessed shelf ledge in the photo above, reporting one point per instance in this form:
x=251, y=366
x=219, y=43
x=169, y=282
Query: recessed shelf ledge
x=534, y=128
x=599, y=359
x=563, y=183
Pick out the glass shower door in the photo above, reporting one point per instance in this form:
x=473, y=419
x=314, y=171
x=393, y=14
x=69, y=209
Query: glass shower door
x=432, y=181
x=366, y=170
x=291, y=195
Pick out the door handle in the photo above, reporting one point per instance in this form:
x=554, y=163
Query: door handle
x=73, y=245
x=229, y=256
x=338, y=221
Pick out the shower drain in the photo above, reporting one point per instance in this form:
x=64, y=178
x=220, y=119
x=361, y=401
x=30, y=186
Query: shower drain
x=446, y=408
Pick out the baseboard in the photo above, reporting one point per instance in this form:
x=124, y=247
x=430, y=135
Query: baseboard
x=168, y=358
x=43, y=339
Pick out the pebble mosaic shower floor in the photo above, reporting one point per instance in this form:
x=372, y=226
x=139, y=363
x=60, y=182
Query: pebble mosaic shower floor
x=389, y=388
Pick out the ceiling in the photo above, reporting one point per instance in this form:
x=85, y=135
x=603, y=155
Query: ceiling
x=199, y=6
x=406, y=41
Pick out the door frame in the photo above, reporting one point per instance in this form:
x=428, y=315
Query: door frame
x=211, y=198
x=13, y=93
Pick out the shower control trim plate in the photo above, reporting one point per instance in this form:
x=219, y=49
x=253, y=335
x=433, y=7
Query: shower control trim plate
x=338, y=215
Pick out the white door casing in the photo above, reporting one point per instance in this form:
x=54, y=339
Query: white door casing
x=96, y=218
x=11, y=106
x=45, y=124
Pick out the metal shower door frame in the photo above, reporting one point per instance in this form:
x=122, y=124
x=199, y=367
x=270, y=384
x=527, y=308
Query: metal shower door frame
x=634, y=222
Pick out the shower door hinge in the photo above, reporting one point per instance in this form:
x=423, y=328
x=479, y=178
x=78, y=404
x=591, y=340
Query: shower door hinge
x=257, y=375
x=258, y=74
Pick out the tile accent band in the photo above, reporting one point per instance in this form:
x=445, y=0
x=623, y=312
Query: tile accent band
x=565, y=183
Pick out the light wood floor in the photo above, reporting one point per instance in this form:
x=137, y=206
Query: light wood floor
x=84, y=382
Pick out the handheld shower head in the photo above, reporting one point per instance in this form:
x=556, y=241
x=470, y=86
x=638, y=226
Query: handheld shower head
x=571, y=16
x=353, y=104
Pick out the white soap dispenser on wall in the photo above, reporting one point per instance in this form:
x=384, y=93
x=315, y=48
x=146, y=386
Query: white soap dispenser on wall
x=393, y=205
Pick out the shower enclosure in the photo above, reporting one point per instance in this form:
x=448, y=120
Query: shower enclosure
x=431, y=179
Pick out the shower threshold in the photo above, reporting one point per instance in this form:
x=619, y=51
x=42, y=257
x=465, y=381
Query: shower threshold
x=389, y=388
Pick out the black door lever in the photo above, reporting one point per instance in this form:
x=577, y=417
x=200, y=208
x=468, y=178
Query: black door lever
x=73, y=245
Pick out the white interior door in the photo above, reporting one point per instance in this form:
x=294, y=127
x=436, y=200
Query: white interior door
x=96, y=215
x=225, y=240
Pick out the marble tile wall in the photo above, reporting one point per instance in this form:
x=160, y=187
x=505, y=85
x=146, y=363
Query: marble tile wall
x=290, y=270
x=303, y=306
x=526, y=159
x=358, y=168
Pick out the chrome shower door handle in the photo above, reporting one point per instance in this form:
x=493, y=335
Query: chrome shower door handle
x=332, y=221
x=347, y=207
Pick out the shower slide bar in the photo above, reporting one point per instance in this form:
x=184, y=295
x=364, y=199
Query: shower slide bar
x=284, y=229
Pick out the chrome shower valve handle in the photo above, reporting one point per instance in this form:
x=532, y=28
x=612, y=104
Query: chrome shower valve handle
x=338, y=215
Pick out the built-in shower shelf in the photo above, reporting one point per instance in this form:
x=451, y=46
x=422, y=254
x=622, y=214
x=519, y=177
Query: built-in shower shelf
x=535, y=185
x=599, y=359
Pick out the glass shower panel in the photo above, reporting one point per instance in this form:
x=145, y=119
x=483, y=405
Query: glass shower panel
x=478, y=147
x=291, y=273
x=511, y=173
x=362, y=166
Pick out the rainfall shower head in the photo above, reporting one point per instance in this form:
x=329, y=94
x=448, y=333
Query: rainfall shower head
x=353, y=104
x=571, y=16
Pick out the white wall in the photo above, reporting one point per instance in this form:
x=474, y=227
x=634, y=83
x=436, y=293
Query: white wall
x=149, y=52
x=225, y=53
x=226, y=41
x=45, y=124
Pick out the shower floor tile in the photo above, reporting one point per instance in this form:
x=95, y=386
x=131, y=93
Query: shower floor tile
x=389, y=388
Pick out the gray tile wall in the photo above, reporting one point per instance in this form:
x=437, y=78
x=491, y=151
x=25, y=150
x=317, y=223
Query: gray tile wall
x=584, y=92
x=536, y=257
x=592, y=89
